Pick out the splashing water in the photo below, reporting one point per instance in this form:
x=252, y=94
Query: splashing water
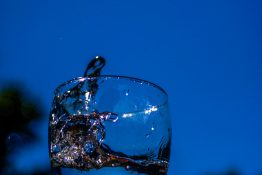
x=77, y=131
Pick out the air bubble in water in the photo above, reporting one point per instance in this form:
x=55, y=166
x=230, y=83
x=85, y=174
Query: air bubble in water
x=55, y=149
x=89, y=148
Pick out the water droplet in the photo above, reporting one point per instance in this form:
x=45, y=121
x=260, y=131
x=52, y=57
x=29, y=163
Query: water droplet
x=126, y=92
x=153, y=127
x=94, y=67
x=151, y=130
x=108, y=116
x=112, y=117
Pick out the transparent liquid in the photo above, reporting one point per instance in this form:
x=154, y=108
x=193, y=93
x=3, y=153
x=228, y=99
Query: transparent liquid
x=76, y=147
x=85, y=141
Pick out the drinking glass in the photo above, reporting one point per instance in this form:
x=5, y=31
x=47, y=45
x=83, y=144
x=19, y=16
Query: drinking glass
x=109, y=125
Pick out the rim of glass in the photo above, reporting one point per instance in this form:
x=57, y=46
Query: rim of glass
x=137, y=80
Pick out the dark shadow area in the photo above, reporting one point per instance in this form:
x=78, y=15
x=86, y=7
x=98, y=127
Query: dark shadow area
x=17, y=111
x=229, y=172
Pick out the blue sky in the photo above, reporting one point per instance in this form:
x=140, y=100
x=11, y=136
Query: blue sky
x=205, y=53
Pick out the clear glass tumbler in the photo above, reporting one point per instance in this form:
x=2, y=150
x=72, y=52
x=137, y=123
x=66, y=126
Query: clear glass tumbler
x=109, y=125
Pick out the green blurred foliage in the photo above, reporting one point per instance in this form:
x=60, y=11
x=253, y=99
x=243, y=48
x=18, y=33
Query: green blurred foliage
x=17, y=110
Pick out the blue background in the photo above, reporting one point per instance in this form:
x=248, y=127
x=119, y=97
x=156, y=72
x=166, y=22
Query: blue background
x=205, y=53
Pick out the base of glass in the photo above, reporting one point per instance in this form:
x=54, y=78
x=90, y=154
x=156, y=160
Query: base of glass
x=102, y=171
